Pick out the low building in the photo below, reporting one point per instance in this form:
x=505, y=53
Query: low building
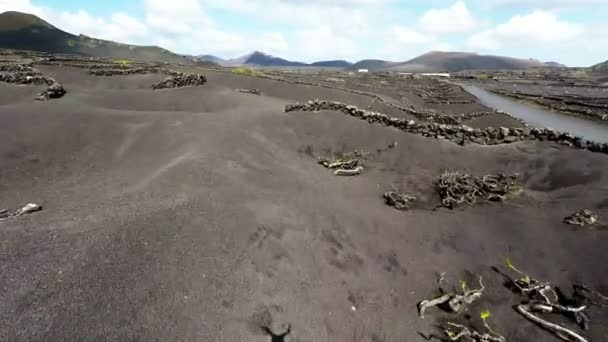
x=429, y=74
x=363, y=70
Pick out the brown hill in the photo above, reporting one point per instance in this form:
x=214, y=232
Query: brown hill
x=437, y=61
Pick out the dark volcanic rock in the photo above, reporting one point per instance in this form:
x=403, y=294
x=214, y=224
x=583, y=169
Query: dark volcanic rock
x=181, y=80
x=25, y=74
x=459, y=134
x=54, y=91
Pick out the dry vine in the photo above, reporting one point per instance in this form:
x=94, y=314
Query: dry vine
x=456, y=188
x=544, y=299
x=399, y=200
x=348, y=164
x=463, y=332
x=455, y=301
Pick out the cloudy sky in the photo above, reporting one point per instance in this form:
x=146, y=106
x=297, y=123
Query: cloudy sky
x=574, y=32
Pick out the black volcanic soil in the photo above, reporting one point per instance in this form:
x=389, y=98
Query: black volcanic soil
x=180, y=214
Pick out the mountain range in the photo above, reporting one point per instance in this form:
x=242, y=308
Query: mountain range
x=262, y=59
x=24, y=31
x=600, y=67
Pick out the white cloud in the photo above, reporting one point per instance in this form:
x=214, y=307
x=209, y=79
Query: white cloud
x=538, y=27
x=407, y=36
x=322, y=43
x=454, y=19
x=167, y=16
x=119, y=27
x=18, y=5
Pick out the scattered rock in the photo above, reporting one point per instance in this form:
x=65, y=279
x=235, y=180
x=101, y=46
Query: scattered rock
x=582, y=218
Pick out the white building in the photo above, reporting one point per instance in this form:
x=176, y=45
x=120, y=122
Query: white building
x=363, y=70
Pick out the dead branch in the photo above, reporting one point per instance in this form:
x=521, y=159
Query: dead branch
x=544, y=299
x=561, y=332
x=348, y=164
x=249, y=91
x=582, y=289
x=463, y=332
x=27, y=209
x=349, y=172
x=455, y=301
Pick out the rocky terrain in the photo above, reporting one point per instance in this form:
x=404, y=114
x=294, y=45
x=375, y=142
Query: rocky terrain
x=261, y=206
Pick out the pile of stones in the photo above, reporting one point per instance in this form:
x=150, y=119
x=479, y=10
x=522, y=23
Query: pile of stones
x=54, y=91
x=459, y=134
x=26, y=74
x=122, y=71
x=582, y=218
x=181, y=80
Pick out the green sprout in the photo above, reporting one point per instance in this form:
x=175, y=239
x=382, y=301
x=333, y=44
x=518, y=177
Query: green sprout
x=464, y=286
x=526, y=279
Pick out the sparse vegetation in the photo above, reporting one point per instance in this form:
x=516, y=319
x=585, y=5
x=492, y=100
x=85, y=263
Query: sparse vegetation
x=456, y=188
x=455, y=301
x=244, y=71
x=399, y=200
x=123, y=62
x=544, y=298
x=345, y=164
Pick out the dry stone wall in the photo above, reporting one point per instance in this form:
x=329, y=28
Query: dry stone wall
x=459, y=134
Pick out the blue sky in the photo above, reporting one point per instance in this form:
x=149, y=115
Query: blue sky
x=574, y=32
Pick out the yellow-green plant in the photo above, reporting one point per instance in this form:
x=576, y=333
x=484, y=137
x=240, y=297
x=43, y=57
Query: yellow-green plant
x=526, y=279
x=123, y=62
x=244, y=71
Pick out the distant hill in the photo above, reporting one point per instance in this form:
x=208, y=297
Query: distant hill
x=373, y=65
x=208, y=58
x=22, y=31
x=332, y=64
x=262, y=59
x=600, y=67
x=460, y=61
x=555, y=65
x=258, y=58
